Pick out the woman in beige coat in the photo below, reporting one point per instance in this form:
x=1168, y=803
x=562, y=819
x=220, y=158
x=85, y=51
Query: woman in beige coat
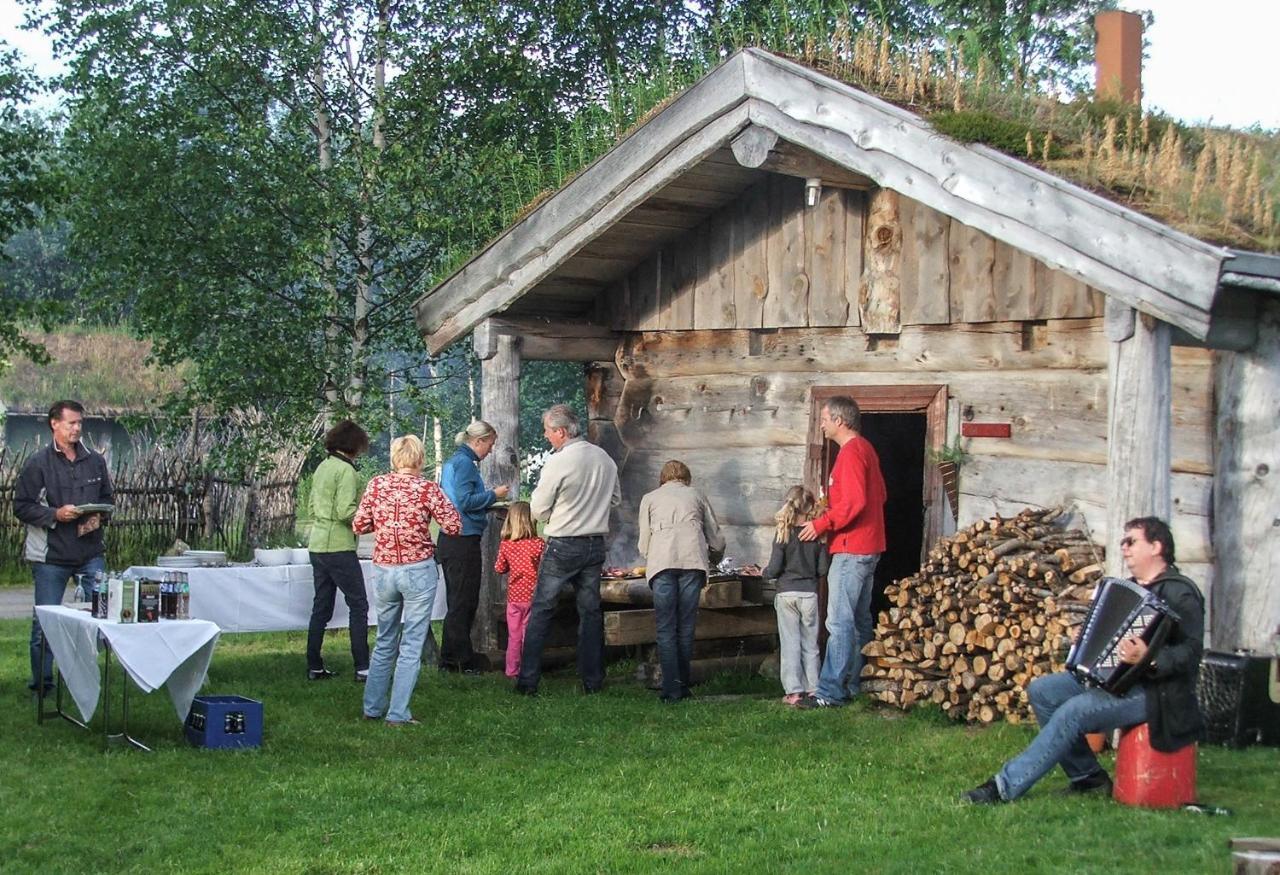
x=678, y=529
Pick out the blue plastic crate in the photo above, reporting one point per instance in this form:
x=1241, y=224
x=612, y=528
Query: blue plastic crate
x=224, y=721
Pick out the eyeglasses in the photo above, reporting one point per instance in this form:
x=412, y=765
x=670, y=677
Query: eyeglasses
x=1128, y=541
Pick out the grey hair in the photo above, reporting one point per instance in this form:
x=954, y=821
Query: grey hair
x=562, y=416
x=478, y=430
x=845, y=409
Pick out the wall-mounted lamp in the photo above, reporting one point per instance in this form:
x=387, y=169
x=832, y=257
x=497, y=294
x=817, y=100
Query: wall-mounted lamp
x=812, y=190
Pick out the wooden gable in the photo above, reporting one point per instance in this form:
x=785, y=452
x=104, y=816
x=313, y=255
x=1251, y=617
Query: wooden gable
x=670, y=176
x=765, y=260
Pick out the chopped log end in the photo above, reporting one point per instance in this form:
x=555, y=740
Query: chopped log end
x=989, y=612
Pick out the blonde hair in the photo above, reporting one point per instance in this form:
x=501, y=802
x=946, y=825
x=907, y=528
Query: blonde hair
x=519, y=523
x=478, y=430
x=407, y=452
x=797, y=508
x=675, y=470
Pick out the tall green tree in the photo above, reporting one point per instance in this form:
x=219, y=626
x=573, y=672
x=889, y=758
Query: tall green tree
x=1040, y=41
x=26, y=185
x=268, y=184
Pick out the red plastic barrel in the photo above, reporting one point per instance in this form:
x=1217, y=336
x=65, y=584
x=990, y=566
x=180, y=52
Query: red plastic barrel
x=1151, y=779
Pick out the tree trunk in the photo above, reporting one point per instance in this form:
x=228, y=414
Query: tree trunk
x=324, y=148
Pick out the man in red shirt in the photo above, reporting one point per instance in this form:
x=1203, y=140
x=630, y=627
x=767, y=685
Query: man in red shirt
x=855, y=521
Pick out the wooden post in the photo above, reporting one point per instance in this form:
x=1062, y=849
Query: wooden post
x=1246, y=494
x=500, y=407
x=880, y=290
x=1138, y=422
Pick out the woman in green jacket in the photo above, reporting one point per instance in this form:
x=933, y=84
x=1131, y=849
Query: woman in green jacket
x=335, y=495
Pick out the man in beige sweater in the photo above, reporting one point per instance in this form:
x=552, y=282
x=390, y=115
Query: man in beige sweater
x=577, y=488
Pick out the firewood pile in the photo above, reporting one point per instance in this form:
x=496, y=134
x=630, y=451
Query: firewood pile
x=993, y=607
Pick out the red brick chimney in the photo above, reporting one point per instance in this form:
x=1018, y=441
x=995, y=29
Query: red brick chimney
x=1118, y=57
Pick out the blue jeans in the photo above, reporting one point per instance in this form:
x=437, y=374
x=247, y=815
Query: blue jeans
x=572, y=562
x=51, y=582
x=403, y=596
x=1066, y=709
x=675, y=611
x=849, y=587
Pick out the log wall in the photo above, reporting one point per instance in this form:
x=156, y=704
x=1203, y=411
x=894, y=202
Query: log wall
x=856, y=258
x=731, y=325
x=735, y=406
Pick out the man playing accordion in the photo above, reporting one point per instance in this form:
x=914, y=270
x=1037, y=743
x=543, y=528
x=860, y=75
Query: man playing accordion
x=1164, y=697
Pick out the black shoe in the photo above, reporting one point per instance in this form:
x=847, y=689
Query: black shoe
x=987, y=794
x=521, y=690
x=362, y=675
x=320, y=674
x=1099, y=783
x=477, y=664
x=451, y=667
x=819, y=702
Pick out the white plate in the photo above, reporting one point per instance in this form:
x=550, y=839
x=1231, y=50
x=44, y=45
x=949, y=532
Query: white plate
x=208, y=557
x=177, y=562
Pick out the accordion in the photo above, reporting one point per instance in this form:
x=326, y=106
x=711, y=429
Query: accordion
x=1120, y=609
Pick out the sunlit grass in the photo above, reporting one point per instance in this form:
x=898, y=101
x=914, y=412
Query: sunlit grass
x=492, y=782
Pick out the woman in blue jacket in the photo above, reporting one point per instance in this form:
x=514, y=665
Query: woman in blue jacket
x=459, y=555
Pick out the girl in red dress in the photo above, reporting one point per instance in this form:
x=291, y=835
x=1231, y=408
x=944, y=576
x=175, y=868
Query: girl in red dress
x=518, y=556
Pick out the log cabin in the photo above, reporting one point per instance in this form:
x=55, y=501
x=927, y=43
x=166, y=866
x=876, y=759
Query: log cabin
x=773, y=236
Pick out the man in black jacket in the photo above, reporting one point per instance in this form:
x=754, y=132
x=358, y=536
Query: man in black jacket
x=1165, y=698
x=61, y=539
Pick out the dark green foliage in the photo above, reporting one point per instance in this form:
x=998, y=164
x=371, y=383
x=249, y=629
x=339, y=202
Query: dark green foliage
x=27, y=185
x=976, y=126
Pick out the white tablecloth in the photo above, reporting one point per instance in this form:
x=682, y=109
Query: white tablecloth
x=172, y=653
x=275, y=598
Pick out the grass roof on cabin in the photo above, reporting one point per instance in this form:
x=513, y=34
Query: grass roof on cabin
x=1216, y=184
x=102, y=368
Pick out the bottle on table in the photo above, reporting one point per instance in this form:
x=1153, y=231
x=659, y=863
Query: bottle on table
x=100, y=595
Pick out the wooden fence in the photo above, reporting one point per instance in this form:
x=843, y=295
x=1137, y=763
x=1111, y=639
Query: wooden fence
x=169, y=494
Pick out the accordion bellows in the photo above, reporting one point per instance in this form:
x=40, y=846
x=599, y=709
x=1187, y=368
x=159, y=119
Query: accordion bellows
x=1120, y=609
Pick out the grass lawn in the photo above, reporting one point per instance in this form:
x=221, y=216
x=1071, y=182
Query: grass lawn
x=492, y=782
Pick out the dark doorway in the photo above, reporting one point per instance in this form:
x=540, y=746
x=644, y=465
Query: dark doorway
x=899, y=439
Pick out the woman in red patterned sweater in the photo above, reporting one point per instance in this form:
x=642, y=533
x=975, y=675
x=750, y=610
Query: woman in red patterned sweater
x=519, y=553
x=398, y=508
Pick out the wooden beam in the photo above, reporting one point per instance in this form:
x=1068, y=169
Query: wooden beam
x=546, y=340
x=500, y=407
x=1245, y=598
x=751, y=147
x=636, y=591
x=791, y=160
x=1146, y=264
x=638, y=627
x=1138, y=431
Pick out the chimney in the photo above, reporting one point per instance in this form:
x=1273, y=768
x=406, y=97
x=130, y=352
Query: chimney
x=1118, y=57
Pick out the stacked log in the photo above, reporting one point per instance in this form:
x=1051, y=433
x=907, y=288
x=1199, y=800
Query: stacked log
x=994, y=606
